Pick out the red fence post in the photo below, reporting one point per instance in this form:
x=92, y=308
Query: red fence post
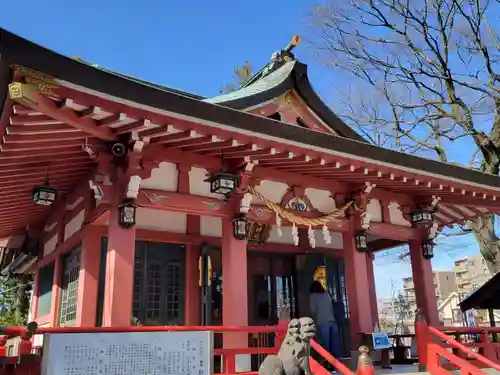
x=280, y=334
x=3, y=344
x=365, y=364
x=229, y=363
x=422, y=337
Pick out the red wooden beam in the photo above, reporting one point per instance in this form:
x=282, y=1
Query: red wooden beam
x=394, y=232
x=219, y=145
x=41, y=129
x=50, y=165
x=67, y=172
x=185, y=203
x=5, y=116
x=68, y=116
x=174, y=137
x=209, y=139
x=231, y=150
x=44, y=145
x=13, y=184
x=19, y=160
x=113, y=120
x=134, y=126
x=231, y=154
x=19, y=109
x=36, y=120
x=59, y=152
x=39, y=138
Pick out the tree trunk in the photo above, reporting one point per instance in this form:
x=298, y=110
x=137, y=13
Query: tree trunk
x=488, y=241
x=22, y=298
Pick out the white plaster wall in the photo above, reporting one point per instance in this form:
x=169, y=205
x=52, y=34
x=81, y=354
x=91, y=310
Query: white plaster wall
x=374, y=208
x=165, y=177
x=396, y=215
x=74, y=225
x=321, y=200
x=167, y=221
x=50, y=245
x=285, y=238
x=198, y=186
x=271, y=190
x=336, y=240
x=210, y=226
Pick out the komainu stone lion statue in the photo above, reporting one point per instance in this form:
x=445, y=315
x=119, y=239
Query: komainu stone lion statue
x=293, y=356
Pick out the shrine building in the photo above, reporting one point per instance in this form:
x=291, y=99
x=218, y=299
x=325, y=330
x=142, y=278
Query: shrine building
x=129, y=202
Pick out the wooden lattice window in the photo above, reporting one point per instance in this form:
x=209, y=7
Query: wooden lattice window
x=45, y=281
x=173, y=290
x=158, y=284
x=69, y=287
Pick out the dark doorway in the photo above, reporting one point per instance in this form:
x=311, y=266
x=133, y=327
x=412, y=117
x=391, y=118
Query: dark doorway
x=211, y=285
x=159, y=283
x=332, y=272
x=272, y=288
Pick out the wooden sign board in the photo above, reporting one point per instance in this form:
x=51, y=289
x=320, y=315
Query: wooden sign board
x=137, y=353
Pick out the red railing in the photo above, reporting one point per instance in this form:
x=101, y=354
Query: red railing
x=27, y=363
x=317, y=369
x=433, y=346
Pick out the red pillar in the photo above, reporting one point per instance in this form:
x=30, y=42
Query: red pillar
x=193, y=295
x=357, y=282
x=234, y=291
x=423, y=281
x=119, y=273
x=371, y=288
x=193, y=292
x=56, y=289
x=88, y=279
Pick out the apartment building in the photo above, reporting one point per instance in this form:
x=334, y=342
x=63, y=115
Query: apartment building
x=444, y=285
x=470, y=273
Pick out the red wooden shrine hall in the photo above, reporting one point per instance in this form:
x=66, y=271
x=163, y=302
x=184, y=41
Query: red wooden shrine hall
x=132, y=202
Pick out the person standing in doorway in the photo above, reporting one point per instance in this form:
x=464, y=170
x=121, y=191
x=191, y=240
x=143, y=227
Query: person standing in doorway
x=327, y=330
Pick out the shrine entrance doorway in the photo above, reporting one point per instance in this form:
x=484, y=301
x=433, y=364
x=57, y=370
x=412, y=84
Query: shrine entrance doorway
x=272, y=289
x=330, y=272
x=159, y=283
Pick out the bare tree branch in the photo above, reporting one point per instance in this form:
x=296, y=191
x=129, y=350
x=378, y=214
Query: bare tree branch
x=427, y=74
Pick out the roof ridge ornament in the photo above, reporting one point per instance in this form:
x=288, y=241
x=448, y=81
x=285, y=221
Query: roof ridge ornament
x=279, y=58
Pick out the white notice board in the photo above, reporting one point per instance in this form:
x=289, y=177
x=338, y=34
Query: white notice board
x=138, y=353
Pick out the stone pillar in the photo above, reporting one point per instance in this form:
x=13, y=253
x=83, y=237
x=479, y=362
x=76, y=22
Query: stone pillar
x=90, y=257
x=423, y=281
x=235, y=291
x=357, y=283
x=119, y=272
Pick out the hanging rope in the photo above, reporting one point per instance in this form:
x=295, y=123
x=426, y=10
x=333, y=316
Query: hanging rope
x=298, y=220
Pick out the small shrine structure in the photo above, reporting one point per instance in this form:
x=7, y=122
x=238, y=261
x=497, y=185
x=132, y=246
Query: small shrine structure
x=128, y=201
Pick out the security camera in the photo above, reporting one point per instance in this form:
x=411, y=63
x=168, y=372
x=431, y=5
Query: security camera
x=118, y=149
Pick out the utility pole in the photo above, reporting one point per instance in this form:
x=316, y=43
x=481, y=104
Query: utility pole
x=393, y=297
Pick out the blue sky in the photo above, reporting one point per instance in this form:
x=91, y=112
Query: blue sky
x=192, y=46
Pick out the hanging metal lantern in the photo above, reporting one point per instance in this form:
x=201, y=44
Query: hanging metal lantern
x=420, y=217
x=361, y=240
x=44, y=195
x=127, y=212
x=428, y=250
x=241, y=227
x=223, y=183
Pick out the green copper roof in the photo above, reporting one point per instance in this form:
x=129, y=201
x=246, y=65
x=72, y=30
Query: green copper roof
x=263, y=84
